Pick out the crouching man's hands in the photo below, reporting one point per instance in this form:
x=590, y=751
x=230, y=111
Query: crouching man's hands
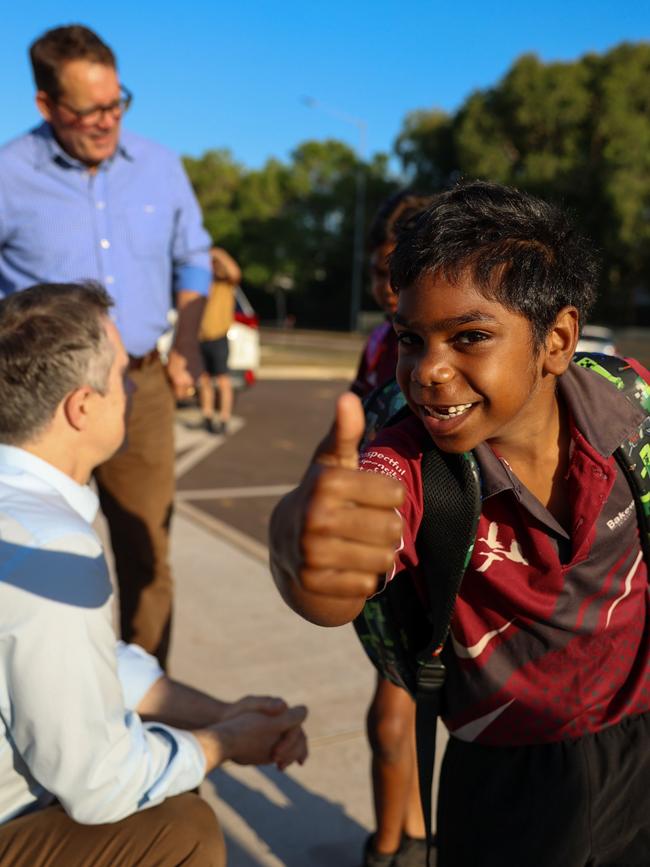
x=338, y=530
x=256, y=730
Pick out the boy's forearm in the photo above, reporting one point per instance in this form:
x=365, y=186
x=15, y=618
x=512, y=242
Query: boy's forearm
x=314, y=607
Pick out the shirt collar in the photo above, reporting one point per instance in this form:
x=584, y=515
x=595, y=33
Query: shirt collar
x=602, y=416
x=596, y=411
x=78, y=497
x=49, y=150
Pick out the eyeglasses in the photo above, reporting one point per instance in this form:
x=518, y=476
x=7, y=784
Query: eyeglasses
x=90, y=116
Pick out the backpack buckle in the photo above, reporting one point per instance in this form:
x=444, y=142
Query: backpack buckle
x=431, y=675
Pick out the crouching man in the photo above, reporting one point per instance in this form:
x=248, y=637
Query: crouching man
x=99, y=750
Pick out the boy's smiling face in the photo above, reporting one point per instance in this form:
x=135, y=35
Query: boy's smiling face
x=468, y=367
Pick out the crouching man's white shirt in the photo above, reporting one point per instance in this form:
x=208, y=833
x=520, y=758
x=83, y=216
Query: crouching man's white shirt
x=67, y=686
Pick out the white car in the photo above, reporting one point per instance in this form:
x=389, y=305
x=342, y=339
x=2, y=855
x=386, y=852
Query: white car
x=597, y=338
x=243, y=341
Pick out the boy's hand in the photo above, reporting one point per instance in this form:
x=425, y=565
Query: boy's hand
x=337, y=532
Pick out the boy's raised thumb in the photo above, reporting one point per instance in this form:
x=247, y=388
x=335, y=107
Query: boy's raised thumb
x=343, y=443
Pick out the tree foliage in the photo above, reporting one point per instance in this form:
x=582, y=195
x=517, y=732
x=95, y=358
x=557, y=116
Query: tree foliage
x=577, y=133
x=291, y=226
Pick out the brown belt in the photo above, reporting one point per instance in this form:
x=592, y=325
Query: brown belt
x=138, y=361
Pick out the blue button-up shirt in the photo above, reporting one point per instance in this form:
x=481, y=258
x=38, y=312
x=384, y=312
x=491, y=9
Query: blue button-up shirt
x=134, y=225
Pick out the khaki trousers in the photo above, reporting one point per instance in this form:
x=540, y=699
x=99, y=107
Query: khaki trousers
x=136, y=492
x=182, y=830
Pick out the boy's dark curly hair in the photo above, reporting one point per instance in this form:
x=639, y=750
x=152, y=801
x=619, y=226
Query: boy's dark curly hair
x=517, y=249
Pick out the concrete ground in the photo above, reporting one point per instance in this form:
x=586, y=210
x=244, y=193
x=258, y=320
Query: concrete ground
x=234, y=635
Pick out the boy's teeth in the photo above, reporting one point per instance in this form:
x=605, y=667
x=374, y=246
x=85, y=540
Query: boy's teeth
x=448, y=411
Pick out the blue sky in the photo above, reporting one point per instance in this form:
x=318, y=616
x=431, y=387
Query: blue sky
x=215, y=74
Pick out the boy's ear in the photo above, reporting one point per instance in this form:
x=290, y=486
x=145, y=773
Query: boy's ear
x=561, y=341
x=76, y=407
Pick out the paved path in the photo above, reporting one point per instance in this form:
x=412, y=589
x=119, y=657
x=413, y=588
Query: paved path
x=234, y=635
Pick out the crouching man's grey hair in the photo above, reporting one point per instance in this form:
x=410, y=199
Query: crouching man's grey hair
x=52, y=341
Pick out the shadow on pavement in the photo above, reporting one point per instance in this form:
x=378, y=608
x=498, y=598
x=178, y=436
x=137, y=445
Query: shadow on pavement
x=307, y=830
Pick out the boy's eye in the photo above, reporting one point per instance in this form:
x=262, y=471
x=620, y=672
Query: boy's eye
x=407, y=338
x=469, y=337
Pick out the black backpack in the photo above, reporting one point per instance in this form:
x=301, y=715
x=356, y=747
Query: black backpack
x=403, y=639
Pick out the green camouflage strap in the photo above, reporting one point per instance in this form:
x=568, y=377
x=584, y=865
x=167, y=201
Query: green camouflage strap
x=633, y=454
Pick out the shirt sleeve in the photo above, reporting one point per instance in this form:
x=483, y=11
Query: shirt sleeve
x=190, y=243
x=69, y=720
x=393, y=455
x=137, y=671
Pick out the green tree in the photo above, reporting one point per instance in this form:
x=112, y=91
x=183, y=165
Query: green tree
x=577, y=133
x=291, y=224
x=216, y=178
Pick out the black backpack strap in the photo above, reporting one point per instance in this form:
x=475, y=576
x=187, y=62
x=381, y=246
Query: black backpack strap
x=428, y=705
x=452, y=507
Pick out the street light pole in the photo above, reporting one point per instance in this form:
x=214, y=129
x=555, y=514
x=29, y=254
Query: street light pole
x=359, y=206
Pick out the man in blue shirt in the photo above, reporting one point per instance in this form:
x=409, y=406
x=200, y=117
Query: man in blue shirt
x=99, y=750
x=82, y=198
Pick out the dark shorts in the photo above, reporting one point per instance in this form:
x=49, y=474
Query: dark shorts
x=215, y=356
x=583, y=803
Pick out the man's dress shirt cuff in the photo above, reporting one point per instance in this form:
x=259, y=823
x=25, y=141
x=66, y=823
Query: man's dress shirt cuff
x=186, y=767
x=191, y=278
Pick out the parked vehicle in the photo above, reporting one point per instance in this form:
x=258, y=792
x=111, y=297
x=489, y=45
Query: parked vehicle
x=243, y=341
x=597, y=338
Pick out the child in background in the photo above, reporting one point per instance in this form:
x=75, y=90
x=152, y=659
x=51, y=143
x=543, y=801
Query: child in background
x=379, y=356
x=213, y=336
x=399, y=838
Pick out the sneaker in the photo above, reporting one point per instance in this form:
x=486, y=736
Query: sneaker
x=413, y=853
x=217, y=428
x=376, y=859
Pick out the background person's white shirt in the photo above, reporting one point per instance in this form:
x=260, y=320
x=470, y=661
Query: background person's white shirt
x=67, y=686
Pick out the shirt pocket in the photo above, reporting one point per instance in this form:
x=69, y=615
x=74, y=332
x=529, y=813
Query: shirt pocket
x=148, y=230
